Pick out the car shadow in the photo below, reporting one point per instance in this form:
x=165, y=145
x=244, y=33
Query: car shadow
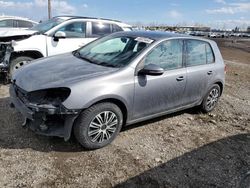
x=223, y=163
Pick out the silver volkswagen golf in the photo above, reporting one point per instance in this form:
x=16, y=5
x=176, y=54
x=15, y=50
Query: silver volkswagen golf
x=116, y=81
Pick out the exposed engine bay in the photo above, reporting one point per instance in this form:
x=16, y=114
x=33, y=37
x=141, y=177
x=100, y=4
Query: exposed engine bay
x=5, y=53
x=6, y=48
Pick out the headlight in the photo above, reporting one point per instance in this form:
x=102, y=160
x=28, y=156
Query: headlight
x=54, y=96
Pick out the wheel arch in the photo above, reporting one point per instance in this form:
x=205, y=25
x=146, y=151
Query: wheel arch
x=220, y=85
x=30, y=53
x=117, y=102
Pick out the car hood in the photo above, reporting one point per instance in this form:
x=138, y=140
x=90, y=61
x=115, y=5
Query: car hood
x=57, y=71
x=8, y=32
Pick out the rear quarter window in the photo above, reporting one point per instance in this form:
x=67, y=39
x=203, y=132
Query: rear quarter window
x=210, y=54
x=116, y=28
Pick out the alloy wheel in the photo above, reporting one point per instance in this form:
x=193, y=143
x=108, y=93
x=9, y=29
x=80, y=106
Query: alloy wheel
x=212, y=98
x=102, y=127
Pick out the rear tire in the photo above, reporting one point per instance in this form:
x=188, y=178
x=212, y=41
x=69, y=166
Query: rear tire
x=18, y=62
x=98, y=125
x=211, y=98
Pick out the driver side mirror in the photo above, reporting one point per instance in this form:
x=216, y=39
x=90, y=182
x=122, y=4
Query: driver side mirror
x=59, y=35
x=152, y=69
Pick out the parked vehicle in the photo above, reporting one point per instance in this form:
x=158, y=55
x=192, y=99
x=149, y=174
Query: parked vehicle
x=11, y=22
x=214, y=35
x=58, y=35
x=118, y=80
x=245, y=34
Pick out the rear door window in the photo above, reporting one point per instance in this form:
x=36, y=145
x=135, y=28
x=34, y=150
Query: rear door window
x=198, y=53
x=100, y=29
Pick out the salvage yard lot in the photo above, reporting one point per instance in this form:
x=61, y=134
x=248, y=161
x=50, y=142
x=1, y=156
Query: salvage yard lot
x=185, y=149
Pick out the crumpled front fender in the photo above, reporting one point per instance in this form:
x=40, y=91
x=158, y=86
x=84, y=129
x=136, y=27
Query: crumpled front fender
x=5, y=52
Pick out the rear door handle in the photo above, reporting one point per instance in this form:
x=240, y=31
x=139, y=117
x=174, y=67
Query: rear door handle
x=210, y=72
x=181, y=78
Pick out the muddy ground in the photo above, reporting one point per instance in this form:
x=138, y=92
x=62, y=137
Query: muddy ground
x=185, y=149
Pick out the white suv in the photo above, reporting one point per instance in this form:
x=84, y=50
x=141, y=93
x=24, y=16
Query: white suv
x=59, y=35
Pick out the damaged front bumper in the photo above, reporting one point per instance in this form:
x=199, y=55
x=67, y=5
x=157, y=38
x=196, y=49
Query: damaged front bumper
x=5, y=52
x=45, y=120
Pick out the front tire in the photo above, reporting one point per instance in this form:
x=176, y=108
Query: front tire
x=210, y=100
x=18, y=62
x=98, y=125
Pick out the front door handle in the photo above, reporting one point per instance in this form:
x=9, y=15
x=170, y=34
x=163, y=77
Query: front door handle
x=210, y=72
x=180, y=78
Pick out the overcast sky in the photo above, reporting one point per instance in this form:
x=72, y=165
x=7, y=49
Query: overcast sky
x=214, y=13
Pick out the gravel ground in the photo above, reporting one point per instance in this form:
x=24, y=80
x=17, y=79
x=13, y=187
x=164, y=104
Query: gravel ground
x=184, y=149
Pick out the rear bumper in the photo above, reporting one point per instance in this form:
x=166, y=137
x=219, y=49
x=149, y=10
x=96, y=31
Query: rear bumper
x=44, y=121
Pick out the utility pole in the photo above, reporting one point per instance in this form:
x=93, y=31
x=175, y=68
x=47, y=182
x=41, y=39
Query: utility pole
x=49, y=9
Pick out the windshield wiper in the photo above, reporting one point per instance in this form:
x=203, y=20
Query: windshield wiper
x=107, y=64
x=78, y=54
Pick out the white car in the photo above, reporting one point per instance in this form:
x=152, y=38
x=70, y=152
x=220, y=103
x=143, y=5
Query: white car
x=56, y=36
x=13, y=22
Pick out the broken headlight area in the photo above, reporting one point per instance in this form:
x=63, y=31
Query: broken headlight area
x=48, y=100
x=53, y=96
x=43, y=110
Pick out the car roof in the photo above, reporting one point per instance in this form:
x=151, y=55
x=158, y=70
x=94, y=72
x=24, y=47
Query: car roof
x=66, y=17
x=154, y=35
x=85, y=17
x=16, y=18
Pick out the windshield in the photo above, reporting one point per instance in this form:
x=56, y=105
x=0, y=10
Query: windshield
x=47, y=25
x=113, y=52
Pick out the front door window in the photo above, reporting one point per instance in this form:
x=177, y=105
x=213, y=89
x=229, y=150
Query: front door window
x=167, y=55
x=74, y=30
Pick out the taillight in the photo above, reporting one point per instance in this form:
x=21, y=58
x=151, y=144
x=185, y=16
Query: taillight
x=225, y=68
